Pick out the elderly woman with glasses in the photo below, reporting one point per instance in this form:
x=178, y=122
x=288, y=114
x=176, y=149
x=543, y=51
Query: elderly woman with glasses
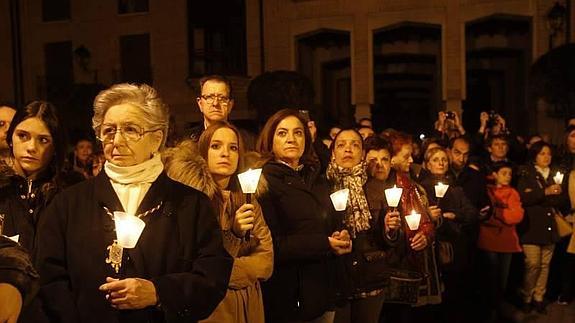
x=177, y=271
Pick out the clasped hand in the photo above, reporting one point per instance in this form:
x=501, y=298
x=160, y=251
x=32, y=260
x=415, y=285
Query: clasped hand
x=129, y=293
x=340, y=242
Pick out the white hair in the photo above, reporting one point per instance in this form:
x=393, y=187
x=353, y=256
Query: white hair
x=155, y=113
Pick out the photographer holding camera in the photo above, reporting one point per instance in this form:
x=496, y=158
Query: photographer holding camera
x=448, y=126
x=492, y=124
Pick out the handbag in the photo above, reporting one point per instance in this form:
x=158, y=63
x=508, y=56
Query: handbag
x=564, y=228
x=402, y=286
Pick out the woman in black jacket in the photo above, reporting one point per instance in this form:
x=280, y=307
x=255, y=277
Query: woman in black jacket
x=540, y=196
x=37, y=146
x=176, y=270
x=457, y=216
x=371, y=230
x=297, y=209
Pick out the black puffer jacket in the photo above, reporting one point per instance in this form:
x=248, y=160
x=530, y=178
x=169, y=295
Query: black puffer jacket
x=298, y=211
x=22, y=203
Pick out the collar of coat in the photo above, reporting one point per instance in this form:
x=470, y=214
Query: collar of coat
x=107, y=197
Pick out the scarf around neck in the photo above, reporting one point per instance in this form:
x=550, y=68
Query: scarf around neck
x=357, y=214
x=131, y=183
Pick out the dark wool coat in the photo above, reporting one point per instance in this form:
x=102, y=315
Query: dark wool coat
x=297, y=210
x=22, y=202
x=538, y=226
x=180, y=251
x=453, y=231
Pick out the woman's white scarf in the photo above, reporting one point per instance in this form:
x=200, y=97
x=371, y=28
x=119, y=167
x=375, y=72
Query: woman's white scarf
x=131, y=183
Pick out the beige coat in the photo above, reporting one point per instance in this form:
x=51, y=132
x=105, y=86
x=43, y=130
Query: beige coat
x=253, y=259
x=571, y=247
x=253, y=262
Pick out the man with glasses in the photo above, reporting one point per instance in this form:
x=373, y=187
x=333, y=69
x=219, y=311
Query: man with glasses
x=215, y=102
x=6, y=115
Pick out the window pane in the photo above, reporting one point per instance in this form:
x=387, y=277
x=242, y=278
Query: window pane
x=55, y=10
x=136, y=59
x=132, y=6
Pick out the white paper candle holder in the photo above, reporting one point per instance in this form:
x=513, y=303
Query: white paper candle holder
x=413, y=220
x=558, y=178
x=393, y=195
x=440, y=190
x=339, y=199
x=249, y=180
x=128, y=229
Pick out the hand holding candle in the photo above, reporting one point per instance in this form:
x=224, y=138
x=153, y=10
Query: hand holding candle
x=249, y=182
x=244, y=220
x=558, y=178
x=339, y=199
x=393, y=195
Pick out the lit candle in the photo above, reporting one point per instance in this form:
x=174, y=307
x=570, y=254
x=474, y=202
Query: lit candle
x=392, y=195
x=128, y=229
x=249, y=183
x=249, y=180
x=339, y=199
x=413, y=220
x=558, y=178
x=15, y=238
x=440, y=189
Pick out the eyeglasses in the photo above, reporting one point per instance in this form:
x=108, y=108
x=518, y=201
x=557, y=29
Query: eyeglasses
x=130, y=132
x=210, y=98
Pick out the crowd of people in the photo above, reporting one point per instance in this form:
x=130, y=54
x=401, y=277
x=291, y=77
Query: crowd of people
x=479, y=230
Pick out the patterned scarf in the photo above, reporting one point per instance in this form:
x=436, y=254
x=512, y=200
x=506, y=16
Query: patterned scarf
x=357, y=213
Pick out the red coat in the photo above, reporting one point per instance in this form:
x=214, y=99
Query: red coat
x=498, y=233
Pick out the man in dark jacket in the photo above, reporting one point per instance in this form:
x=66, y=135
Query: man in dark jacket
x=18, y=280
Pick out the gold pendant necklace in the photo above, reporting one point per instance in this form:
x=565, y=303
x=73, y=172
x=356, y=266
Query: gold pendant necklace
x=115, y=253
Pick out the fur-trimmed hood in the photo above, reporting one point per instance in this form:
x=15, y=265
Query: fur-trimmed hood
x=184, y=164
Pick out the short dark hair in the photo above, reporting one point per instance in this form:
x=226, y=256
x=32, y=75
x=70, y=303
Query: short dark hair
x=501, y=164
x=454, y=139
x=491, y=139
x=7, y=104
x=536, y=148
x=376, y=143
x=216, y=78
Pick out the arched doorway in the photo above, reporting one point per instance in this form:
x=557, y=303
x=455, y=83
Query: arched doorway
x=498, y=56
x=324, y=56
x=407, y=76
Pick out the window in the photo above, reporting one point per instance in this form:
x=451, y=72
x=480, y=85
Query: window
x=55, y=10
x=136, y=59
x=217, y=37
x=58, y=59
x=132, y=6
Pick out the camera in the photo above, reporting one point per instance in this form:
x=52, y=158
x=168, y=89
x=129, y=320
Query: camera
x=492, y=121
x=450, y=115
